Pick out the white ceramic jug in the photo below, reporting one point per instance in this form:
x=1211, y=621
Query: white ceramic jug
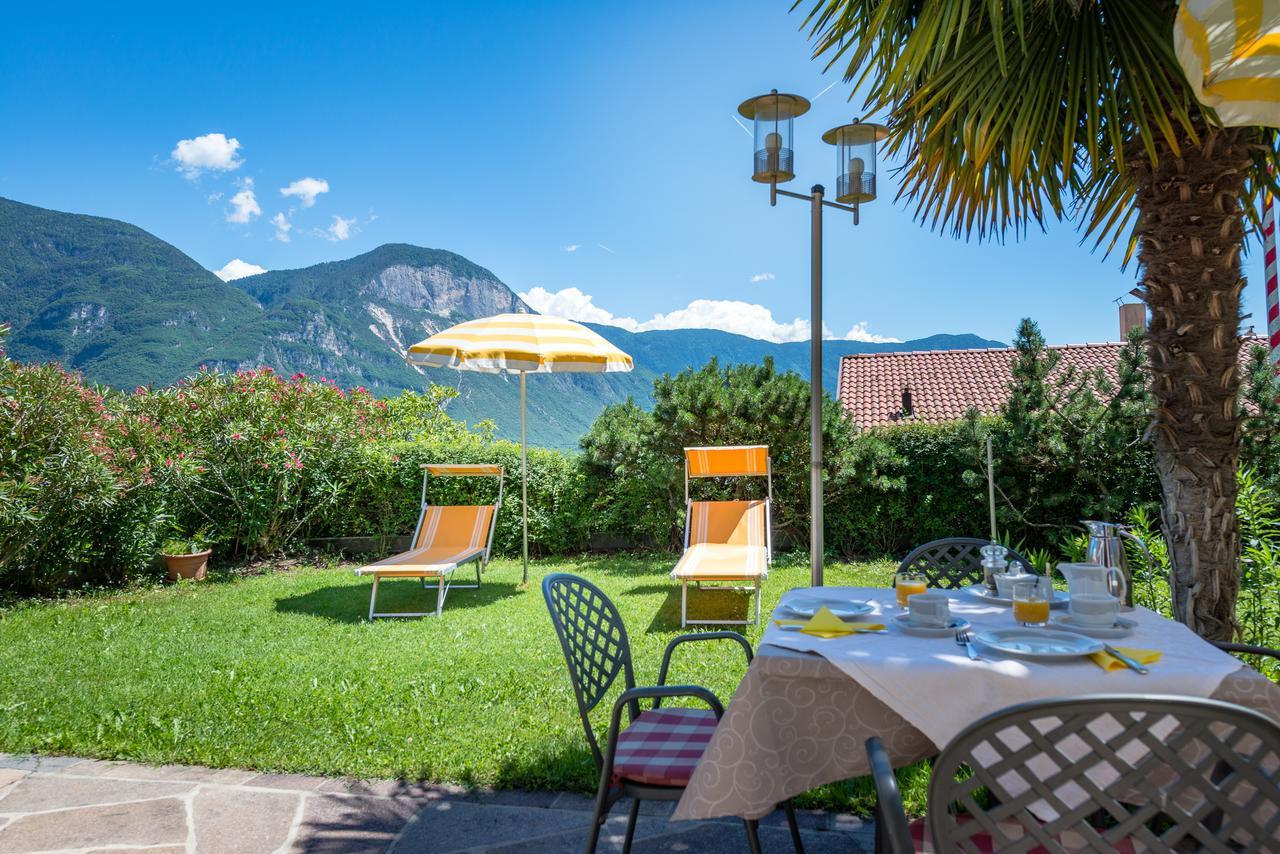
x=1091, y=579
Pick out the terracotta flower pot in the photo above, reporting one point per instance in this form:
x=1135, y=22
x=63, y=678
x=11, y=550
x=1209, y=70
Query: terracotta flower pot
x=188, y=566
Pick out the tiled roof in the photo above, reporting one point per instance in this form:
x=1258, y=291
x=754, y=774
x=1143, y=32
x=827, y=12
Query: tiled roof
x=944, y=384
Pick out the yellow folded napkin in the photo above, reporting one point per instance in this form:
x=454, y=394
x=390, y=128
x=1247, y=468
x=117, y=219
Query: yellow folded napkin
x=825, y=624
x=1107, y=661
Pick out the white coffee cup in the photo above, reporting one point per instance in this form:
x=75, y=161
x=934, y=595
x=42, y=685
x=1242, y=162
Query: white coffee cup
x=1005, y=582
x=929, y=609
x=1096, y=610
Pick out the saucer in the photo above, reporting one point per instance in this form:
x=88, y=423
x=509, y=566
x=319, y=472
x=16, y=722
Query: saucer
x=1122, y=628
x=954, y=624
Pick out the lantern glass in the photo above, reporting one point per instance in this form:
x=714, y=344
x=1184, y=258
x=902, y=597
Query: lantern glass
x=855, y=160
x=774, y=158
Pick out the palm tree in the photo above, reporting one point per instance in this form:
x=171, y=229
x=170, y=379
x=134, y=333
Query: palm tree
x=1009, y=113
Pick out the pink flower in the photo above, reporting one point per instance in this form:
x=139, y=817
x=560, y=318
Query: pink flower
x=237, y=436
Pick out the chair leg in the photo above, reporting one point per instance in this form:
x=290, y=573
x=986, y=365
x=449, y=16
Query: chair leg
x=684, y=602
x=440, y=594
x=757, y=600
x=795, y=828
x=373, y=598
x=599, y=816
x=631, y=825
x=753, y=835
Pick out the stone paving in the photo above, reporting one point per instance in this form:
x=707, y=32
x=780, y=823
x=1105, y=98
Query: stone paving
x=84, y=805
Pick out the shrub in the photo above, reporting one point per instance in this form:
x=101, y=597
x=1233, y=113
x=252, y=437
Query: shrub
x=78, y=504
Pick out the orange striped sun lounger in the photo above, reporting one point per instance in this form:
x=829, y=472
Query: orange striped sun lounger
x=447, y=537
x=725, y=541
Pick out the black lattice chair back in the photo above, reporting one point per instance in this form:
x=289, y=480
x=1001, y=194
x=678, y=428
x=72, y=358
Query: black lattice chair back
x=1105, y=772
x=954, y=562
x=594, y=642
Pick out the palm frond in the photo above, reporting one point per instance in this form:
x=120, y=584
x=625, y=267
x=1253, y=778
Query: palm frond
x=1008, y=112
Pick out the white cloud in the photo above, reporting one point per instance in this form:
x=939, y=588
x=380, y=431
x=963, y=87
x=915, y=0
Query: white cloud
x=283, y=227
x=763, y=277
x=741, y=318
x=606, y=249
x=237, y=269
x=306, y=189
x=213, y=152
x=575, y=305
x=214, y=197
x=340, y=229
x=244, y=204
x=572, y=247
x=858, y=332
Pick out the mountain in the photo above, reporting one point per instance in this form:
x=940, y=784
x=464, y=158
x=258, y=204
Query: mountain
x=107, y=298
x=128, y=309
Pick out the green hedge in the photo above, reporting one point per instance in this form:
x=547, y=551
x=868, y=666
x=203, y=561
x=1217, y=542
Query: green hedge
x=92, y=480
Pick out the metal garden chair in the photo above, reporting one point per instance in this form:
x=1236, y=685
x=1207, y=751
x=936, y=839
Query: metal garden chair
x=654, y=756
x=954, y=562
x=1106, y=773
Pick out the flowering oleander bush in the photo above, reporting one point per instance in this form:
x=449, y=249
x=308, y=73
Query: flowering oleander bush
x=78, y=500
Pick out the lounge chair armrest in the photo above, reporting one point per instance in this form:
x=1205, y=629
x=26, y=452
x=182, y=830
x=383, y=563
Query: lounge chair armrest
x=1239, y=648
x=697, y=636
x=893, y=834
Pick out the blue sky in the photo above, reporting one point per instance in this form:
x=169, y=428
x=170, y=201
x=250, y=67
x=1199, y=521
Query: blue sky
x=507, y=132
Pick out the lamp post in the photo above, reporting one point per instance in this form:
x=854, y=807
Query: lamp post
x=773, y=164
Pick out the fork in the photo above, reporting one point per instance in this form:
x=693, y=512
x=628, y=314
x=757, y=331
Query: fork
x=964, y=639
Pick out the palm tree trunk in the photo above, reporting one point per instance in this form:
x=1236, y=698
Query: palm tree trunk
x=1191, y=234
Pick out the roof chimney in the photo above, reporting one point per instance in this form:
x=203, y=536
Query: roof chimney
x=1133, y=315
x=907, y=408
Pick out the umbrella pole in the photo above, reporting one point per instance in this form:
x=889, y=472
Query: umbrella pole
x=524, y=482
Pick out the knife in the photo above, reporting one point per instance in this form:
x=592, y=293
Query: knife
x=1124, y=659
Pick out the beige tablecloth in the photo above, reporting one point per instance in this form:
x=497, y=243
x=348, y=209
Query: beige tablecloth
x=797, y=722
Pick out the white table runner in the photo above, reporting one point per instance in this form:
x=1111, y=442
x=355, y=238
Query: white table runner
x=932, y=683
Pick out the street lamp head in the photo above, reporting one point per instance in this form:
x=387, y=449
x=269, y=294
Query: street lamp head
x=774, y=161
x=855, y=160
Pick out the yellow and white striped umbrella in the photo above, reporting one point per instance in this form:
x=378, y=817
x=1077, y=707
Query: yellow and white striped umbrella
x=520, y=343
x=1230, y=52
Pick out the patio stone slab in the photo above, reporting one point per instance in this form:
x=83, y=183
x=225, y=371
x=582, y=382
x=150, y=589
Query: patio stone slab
x=9, y=776
x=293, y=782
x=236, y=821
x=340, y=824
x=462, y=826
x=148, y=823
x=41, y=792
x=100, y=806
x=33, y=762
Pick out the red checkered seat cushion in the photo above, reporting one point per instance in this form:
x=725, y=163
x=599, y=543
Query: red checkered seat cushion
x=662, y=746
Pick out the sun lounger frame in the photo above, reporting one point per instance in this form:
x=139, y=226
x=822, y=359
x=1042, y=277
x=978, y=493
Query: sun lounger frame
x=768, y=537
x=444, y=579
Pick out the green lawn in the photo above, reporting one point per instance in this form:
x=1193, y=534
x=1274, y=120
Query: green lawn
x=281, y=672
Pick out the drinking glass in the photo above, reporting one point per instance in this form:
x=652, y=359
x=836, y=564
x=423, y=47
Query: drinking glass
x=909, y=584
x=1031, y=602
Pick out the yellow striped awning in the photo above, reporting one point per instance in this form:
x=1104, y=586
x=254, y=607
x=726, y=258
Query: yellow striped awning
x=728, y=461
x=463, y=469
x=532, y=343
x=1230, y=52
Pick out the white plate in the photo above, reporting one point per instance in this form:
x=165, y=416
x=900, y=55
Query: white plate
x=1122, y=628
x=845, y=609
x=1038, y=643
x=979, y=591
x=955, y=624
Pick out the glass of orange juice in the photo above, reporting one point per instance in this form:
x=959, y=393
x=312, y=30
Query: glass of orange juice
x=1031, y=602
x=909, y=584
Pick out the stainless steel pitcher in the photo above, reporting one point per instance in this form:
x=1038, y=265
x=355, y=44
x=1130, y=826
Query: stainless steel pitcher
x=1106, y=548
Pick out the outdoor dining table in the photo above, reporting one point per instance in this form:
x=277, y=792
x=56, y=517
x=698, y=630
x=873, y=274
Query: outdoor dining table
x=799, y=720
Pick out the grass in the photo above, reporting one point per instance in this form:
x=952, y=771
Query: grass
x=280, y=672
